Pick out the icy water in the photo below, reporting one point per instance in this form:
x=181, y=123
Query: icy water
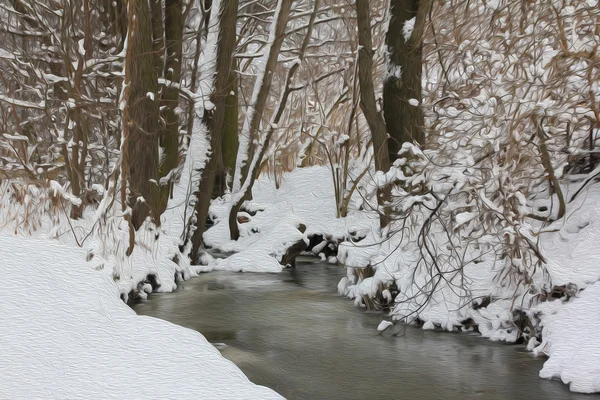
x=293, y=333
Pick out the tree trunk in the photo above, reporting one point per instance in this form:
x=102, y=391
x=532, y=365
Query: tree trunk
x=254, y=167
x=368, y=103
x=215, y=119
x=261, y=92
x=158, y=35
x=169, y=140
x=230, y=131
x=140, y=118
x=404, y=121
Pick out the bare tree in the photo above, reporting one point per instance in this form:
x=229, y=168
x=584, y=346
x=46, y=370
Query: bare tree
x=215, y=119
x=141, y=118
x=256, y=109
x=403, y=86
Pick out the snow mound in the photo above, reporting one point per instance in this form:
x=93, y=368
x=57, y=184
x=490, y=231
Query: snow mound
x=571, y=337
x=248, y=261
x=568, y=243
x=66, y=334
x=272, y=223
x=306, y=196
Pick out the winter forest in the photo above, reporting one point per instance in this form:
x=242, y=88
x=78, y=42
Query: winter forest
x=235, y=199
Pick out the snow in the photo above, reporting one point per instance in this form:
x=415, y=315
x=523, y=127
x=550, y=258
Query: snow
x=567, y=244
x=408, y=28
x=305, y=198
x=21, y=103
x=383, y=325
x=260, y=252
x=66, y=334
x=571, y=337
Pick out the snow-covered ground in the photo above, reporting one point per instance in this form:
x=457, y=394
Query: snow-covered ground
x=64, y=333
x=571, y=329
x=49, y=288
x=306, y=197
x=571, y=337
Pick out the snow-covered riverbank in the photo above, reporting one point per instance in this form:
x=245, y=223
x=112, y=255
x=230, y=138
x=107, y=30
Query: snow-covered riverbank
x=64, y=333
x=64, y=314
x=474, y=298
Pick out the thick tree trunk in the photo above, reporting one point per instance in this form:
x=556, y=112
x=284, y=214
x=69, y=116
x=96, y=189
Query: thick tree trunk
x=215, y=119
x=140, y=119
x=404, y=121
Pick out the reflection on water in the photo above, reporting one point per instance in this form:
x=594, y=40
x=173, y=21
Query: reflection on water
x=292, y=333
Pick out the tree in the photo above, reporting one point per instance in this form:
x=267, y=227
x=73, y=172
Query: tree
x=141, y=118
x=368, y=103
x=262, y=86
x=215, y=119
x=403, y=86
x=169, y=138
x=260, y=93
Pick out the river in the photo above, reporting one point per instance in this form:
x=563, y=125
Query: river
x=293, y=333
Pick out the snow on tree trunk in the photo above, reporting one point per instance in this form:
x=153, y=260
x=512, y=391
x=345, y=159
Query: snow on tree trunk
x=260, y=93
x=225, y=34
x=255, y=112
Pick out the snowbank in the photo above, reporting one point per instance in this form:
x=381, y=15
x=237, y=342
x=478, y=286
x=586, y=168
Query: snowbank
x=306, y=197
x=261, y=250
x=571, y=337
x=66, y=334
x=570, y=330
x=569, y=243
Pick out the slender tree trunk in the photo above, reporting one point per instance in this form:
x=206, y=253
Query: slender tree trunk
x=230, y=132
x=201, y=33
x=254, y=168
x=141, y=119
x=404, y=121
x=169, y=140
x=158, y=35
x=120, y=19
x=261, y=91
x=368, y=103
x=215, y=119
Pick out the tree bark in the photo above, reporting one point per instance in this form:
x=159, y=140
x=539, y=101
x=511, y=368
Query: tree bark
x=169, y=140
x=158, y=35
x=404, y=122
x=140, y=119
x=215, y=119
x=368, y=103
x=230, y=131
x=253, y=169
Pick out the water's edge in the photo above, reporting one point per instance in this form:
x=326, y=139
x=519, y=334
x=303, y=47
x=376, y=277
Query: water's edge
x=293, y=333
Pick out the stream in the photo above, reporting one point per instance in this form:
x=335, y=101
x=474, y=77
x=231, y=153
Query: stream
x=293, y=333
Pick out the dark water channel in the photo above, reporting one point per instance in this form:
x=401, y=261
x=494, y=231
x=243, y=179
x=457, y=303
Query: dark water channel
x=292, y=333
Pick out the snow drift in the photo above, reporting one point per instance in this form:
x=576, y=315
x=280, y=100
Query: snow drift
x=66, y=334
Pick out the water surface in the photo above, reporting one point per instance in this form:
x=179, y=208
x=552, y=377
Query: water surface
x=293, y=333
